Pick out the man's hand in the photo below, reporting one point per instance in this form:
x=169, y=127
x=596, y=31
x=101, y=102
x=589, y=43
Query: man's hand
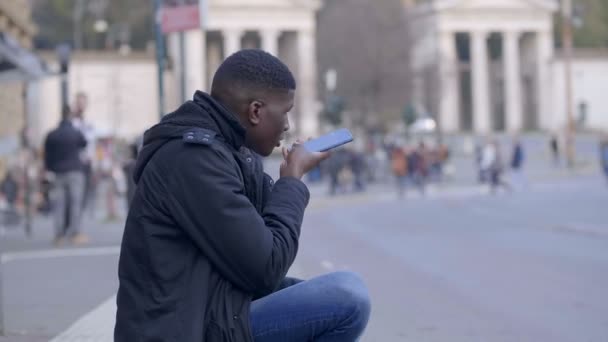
x=298, y=160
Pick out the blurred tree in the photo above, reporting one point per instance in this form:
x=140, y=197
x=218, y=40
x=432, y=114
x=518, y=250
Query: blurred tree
x=409, y=115
x=590, y=24
x=334, y=109
x=54, y=20
x=129, y=22
x=366, y=42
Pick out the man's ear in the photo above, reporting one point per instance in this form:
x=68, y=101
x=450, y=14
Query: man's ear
x=255, y=112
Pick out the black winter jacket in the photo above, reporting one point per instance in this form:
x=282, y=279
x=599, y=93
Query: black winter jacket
x=207, y=231
x=62, y=148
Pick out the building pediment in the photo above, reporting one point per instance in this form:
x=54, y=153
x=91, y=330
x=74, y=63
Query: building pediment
x=546, y=5
x=265, y=4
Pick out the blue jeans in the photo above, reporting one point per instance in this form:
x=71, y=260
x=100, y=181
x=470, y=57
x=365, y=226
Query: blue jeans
x=331, y=308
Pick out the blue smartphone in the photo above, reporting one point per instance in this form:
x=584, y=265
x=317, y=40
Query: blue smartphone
x=329, y=141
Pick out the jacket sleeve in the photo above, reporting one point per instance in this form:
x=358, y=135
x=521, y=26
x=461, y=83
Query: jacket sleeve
x=207, y=200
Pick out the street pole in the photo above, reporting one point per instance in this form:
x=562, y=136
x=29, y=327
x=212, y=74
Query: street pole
x=27, y=198
x=182, y=61
x=567, y=52
x=182, y=69
x=160, y=57
x=77, y=14
x=2, y=327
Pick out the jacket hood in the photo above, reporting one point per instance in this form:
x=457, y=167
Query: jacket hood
x=202, y=111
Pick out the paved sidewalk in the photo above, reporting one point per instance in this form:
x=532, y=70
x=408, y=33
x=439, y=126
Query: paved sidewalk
x=98, y=325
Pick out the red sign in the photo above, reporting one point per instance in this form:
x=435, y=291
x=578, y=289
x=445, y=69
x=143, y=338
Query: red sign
x=182, y=17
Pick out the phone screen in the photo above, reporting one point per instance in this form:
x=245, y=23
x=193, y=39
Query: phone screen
x=329, y=141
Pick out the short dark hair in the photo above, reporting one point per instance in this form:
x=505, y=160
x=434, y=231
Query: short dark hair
x=253, y=69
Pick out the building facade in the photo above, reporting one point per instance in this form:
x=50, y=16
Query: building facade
x=493, y=60
x=18, y=67
x=284, y=28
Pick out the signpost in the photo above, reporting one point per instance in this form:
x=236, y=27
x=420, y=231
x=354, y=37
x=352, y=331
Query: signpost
x=177, y=16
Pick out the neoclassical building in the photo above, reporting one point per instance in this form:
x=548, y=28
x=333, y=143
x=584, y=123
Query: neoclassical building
x=284, y=28
x=19, y=68
x=492, y=59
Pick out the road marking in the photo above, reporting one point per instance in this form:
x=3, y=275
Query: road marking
x=97, y=325
x=59, y=253
x=582, y=228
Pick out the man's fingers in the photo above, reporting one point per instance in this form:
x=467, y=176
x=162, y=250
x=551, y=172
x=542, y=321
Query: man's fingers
x=326, y=155
x=285, y=152
x=323, y=155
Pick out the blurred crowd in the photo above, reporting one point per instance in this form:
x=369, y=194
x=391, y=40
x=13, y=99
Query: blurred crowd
x=79, y=172
x=76, y=173
x=349, y=170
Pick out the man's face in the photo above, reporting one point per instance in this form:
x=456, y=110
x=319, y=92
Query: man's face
x=268, y=119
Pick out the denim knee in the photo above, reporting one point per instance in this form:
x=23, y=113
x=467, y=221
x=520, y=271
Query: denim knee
x=353, y=294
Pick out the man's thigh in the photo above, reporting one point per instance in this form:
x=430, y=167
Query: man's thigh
x=305, y=310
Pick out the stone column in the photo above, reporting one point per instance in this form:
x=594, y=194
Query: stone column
x=307, y=124
x=544, y=52
x=448, y=64
x=214, y=59
x=173, y=86
x=195, y=49
x=481, y=98
x=512, y=77
x=232, y=41
x=270, y=41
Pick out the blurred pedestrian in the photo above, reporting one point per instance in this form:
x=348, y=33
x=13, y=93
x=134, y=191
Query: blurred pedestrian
x=479, y=161
x=554, y=146
x=443, y=156
x=9, y=189
x=517, y=164
x=358, y=167
x=493, y=164
x=9, y=193
x=604, y=154
x=420, y=168
x=399, y=167
x=62, y=149
x=335, y=165
x=129, y=170
x=108, y=174
x=87, y=154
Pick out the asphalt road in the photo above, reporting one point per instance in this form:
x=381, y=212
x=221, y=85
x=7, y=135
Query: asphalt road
x=453, y=266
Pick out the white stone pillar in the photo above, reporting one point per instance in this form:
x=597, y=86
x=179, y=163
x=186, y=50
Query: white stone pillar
x=448, y=63
x=214, y=59
x=270, y=41
x=173, y=51
x=195, y=49
x=232, y=41
x=512, y=76
x=481, y=98
x=544, y=53
x=308, y=123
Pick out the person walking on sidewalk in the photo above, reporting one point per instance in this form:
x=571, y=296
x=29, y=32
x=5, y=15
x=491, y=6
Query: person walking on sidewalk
x=399, y=167
x=87, y=155
x=604, y=154
x=493, y=164
x=62, y=149
x=209, y=237
x=554, y=146
x=517, y=164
